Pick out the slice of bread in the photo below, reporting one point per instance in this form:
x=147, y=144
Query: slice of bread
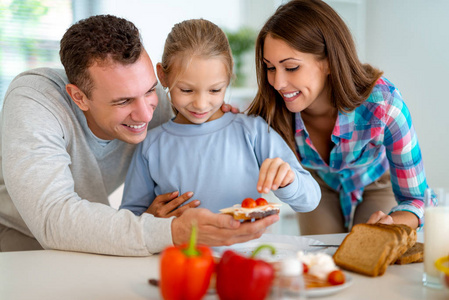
x=247, y=214
x=367, y=249
x=413, y=255
x=402, y=236
x=412, y=235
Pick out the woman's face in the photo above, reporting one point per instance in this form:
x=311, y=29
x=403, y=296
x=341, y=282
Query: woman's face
x=300, y=78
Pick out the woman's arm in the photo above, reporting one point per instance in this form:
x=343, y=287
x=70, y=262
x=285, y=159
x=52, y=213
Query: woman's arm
x=406, y=165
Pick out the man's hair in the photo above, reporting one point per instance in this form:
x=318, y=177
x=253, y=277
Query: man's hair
x=98, y=39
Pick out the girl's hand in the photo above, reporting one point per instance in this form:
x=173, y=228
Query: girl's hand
x=167, y=205
x=274, y=173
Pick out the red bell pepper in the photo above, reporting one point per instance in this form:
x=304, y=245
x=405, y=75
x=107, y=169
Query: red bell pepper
x=239, y=277
x=186, y=271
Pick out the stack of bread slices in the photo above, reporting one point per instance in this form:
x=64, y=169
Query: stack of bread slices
x=370, y=248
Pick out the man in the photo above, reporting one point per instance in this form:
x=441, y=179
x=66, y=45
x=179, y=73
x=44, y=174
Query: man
x=66, y=145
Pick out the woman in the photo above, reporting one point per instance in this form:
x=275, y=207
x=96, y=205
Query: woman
x=347, y=123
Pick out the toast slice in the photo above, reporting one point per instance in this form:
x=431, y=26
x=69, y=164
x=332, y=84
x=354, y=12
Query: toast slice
x=412, y=235
x=367, y=249
x=247, y=214
x=402, y=246
x=413, y=255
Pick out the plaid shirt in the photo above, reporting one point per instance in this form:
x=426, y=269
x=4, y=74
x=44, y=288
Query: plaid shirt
x=376, y=136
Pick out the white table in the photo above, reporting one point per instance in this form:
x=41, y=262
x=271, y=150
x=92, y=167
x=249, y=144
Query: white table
x=59, y=275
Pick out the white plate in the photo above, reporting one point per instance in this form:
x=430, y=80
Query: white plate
x=329, y=290
x=286, y=245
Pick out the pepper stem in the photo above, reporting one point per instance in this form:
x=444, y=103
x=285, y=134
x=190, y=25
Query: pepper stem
x=191, y=249
x=264, y=246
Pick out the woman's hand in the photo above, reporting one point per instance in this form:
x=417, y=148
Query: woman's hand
x=217, y=229
x=274, y=173
x=397, y=217
x=229, y=108
x=168, y=205
x=380, y=217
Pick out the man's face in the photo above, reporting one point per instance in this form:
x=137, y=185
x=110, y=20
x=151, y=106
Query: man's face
x=122, y=101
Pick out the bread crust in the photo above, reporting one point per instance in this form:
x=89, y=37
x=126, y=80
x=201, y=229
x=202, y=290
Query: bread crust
x=402, y=246
x=366, y=249
x=411, y=234
x=370, y=248
x=413, y=255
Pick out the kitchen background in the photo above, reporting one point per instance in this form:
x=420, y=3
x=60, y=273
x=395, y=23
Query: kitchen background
x=408, y=39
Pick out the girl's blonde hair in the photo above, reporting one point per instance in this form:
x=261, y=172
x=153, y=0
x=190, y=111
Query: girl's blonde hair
x=196, y=37
x=312, y=26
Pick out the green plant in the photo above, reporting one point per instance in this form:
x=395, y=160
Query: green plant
x=241, y=41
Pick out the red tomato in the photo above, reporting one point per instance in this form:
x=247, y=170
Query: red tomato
x=336, y=277
x=305, y=268
x=249, y=203
x=261, y=202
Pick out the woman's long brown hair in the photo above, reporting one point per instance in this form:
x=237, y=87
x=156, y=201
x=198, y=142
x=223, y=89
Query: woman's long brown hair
x=312, y=26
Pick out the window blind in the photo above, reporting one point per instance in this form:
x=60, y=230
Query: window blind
x=30, y=31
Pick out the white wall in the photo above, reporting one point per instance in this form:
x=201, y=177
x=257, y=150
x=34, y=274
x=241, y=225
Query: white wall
x=409, y=40
x=155, y=18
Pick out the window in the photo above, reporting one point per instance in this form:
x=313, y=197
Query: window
x=30, y=31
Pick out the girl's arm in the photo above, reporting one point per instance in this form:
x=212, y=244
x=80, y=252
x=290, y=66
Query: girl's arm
x=138, y=192
x=139, y=195
x=301, y=192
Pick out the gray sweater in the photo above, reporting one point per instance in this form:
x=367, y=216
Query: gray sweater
x=55, y=176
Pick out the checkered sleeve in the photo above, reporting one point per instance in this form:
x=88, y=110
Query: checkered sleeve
x=404, y=155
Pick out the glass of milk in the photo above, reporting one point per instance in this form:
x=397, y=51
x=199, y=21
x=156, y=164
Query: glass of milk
x=436, y=235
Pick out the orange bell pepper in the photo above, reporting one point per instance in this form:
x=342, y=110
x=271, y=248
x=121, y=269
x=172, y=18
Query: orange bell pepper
x=186, y=271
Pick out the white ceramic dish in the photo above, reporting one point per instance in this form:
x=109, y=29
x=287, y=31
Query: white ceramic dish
x=329, y=290
x=285, y=245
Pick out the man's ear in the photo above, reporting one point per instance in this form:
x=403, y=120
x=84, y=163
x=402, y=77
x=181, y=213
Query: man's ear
x=161, y=75
x=77, y=96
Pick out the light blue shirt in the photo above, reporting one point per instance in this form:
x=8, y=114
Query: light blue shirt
x=218, y=160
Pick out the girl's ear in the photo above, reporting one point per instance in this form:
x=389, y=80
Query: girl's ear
x=161, y=75
x=77, y=96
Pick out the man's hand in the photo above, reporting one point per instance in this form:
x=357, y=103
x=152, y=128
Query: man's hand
x=167, y=205
x=229, y=108
x=274, y=173
x=217, y=229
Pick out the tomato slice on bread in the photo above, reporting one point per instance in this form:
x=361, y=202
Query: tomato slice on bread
x=249, y=203
x=261, y=202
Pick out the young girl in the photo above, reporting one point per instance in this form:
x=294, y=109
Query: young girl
x=346, y=122
x=216, y=155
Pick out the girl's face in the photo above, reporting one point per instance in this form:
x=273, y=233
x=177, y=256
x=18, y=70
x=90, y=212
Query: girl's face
x=300, y=78
x=199, y=92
